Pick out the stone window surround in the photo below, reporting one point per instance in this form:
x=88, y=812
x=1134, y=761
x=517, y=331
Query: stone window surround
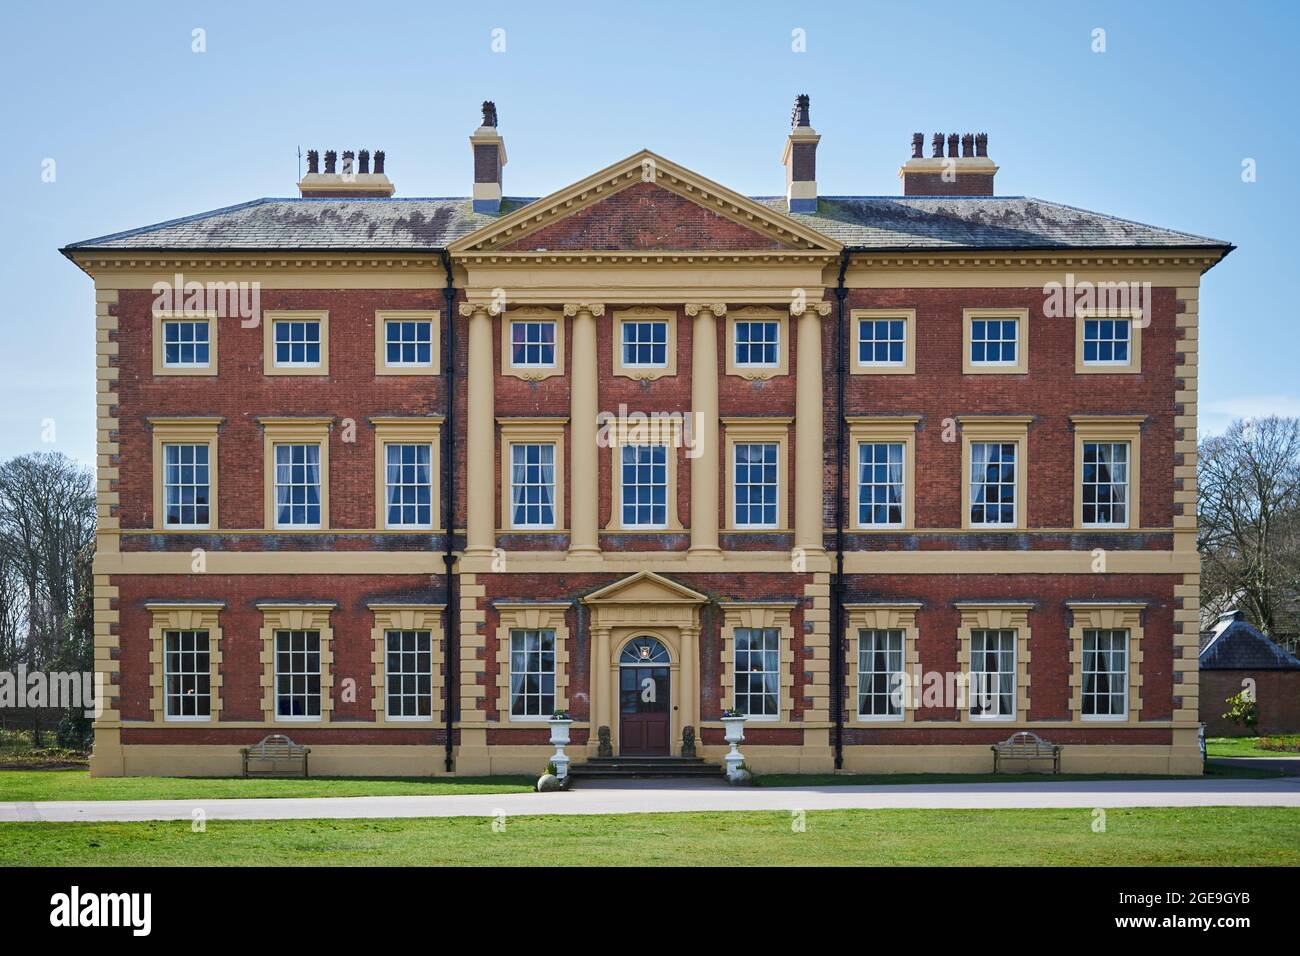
x=759, y=615
x=532, y=373
x=532, y=431
x=995, y=616
x=1118, y=429
x=183, y=431
x=884, y=616
x=994, y=429
x=531, y=617
x=759, y=314
x=269, y=318
x=1138, y=320
x=159, y=366
x=764, y=431
x=908, y=366
x=382, y=318
x=407, y=430
x=293, y=616
x=406, y=617
x=183, y=616
x=1021, y=365
x=1106, y=615
x=669, y=368
x=622, y=432
x=291, y=431
x=897, y=429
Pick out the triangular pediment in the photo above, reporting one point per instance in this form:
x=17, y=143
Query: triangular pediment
x=645, y=587
x=645, y=203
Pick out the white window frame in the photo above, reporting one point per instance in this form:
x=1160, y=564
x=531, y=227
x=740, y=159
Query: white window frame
x=776, y=485
x=390, y=321
x=206, y=324
x=1009, y=633
x=321, y=342
x=970, y=366
x=899, y=676
x=1084, y=483
x=525, y=322
x=862, y=320
x=667, y=485
x=307, y=674
x=775, y=343
x=859, y=485
x=515, y=447
x=391, y=675
x=544, y=713
x=322, y=462
x=1124, y=673
x=208, y=448
x=623, y=343
x=432, y=485
x=168, y=673
x=775, y=635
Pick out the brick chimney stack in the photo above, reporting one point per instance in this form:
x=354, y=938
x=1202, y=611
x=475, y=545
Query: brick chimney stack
x=800, y=159
x=489, y=158
x=349, y=182
x=969, y=172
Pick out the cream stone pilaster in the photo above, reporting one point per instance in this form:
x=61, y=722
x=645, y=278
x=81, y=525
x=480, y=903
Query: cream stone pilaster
x=583, y=401
x=688, y=672
x=809, y=434
x=600, y=675
x=704, y=404
x=480, y=446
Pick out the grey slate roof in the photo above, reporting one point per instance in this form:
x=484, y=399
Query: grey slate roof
x=873, y=222
x=1241, y=646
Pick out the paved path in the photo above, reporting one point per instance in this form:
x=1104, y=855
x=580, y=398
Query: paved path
x=680, y=797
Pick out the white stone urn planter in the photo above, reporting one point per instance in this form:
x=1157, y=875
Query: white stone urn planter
x=560, y=740
x=734, y=734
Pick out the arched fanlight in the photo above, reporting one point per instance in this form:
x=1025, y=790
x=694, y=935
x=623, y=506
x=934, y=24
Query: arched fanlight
x=644, y=650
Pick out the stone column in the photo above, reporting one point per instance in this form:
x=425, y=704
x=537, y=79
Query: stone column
x=480, y=451
x=704, y=425
x=584, y=466
x=809, y=432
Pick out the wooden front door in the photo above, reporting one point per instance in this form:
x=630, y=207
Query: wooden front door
x=644, y=695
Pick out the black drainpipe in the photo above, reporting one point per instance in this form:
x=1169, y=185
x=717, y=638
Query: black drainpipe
x=837, y=580
x=451, y=640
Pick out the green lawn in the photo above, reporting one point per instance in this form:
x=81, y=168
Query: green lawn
x=1202, y=836
x=38, y=785
x=1285, y=745
x=867, y=779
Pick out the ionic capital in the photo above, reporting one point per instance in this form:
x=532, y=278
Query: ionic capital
x=717, y=308
x=490, y=307
x=800, y=307
x=571, y=309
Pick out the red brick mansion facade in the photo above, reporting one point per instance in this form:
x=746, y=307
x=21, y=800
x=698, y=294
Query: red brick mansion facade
x=893, y=476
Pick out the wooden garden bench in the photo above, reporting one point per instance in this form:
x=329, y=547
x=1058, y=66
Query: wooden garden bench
x=275, y=756
x=1027, y=746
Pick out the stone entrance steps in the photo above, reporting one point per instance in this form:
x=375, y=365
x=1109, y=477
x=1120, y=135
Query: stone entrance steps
x=630, y=768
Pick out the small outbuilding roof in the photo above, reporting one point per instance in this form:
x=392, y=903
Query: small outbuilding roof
x=1237, y=645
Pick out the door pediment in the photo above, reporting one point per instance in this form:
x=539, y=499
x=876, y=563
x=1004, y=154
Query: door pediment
x=645, y=587
x=645, y=203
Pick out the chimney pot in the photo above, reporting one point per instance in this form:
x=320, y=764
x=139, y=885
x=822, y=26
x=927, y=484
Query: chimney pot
x=800, y=159
x=968, y=174
x=799, y=116
x=347, y=183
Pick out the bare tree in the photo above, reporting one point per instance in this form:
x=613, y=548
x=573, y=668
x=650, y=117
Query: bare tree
x=1249, y=521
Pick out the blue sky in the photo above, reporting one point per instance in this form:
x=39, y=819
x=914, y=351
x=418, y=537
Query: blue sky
x=143, y=129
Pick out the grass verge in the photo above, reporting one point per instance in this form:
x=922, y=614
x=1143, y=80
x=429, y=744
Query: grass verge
x=1196, y=836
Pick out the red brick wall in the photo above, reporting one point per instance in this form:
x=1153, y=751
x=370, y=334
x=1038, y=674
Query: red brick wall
x=644, y=216
x=1051, y=391
x=241, y=622
x=1276, y=692
x=242, y=393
